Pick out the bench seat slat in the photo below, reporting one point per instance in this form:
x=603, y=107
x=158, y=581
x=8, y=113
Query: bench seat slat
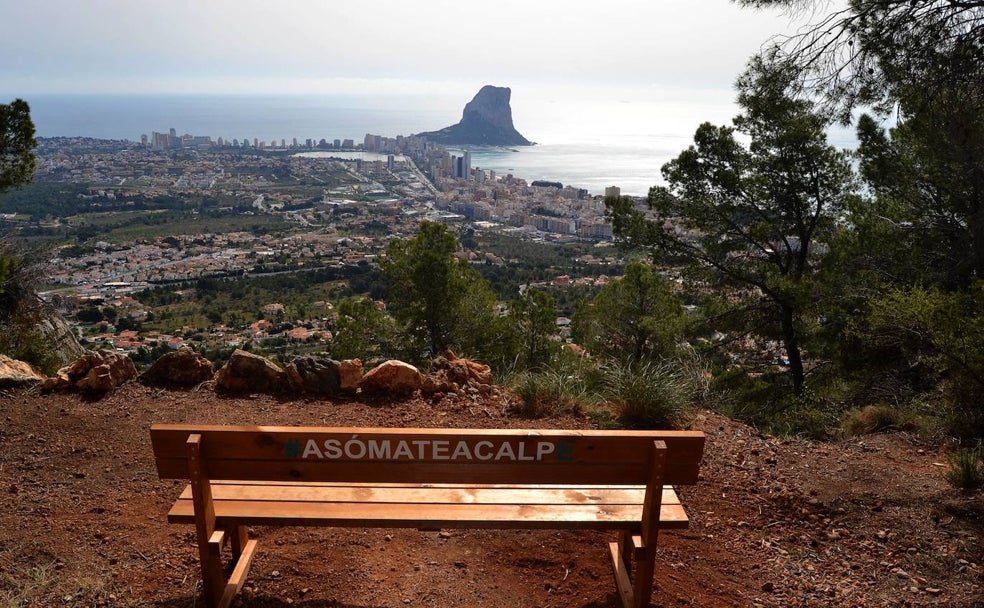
x=414, y=515
x=461, y=505
x=458, y=493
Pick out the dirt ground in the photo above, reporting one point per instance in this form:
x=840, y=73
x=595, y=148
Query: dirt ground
x=864, y=522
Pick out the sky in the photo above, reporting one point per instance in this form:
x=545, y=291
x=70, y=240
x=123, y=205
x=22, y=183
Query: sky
x=378, y=47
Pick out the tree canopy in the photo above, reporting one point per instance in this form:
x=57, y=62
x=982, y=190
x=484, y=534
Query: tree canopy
x=443, y=303
x=754, y=216
x=870, y=51
x=634, y=317
x=17, y=145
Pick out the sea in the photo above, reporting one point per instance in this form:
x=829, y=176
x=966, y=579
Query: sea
x=589, y=143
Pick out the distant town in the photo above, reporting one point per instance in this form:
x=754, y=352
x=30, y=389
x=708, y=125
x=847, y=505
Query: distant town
x=335, y=204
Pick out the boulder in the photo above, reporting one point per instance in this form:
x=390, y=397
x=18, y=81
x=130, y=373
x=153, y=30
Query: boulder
x=246, y=372
x=438, y=382
x=462, y=371
x=95, y=371
x=18, y=374
x=350, y=372
x=315, y=375
x=392, y=378
x=183, y=368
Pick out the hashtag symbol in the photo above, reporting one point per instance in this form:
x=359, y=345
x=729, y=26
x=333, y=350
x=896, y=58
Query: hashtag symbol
x=293, y=448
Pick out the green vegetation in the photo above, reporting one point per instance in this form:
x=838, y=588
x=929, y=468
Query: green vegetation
x=632, y=319
x=966, y=468
x=552, y=392
x=17, y=145
x=441, y=301
x=650, y=395
x=750, y=217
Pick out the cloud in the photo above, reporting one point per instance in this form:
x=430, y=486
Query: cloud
x=247, y=45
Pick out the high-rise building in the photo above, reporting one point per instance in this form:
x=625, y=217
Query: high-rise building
x=613, y=191
x=390, y=162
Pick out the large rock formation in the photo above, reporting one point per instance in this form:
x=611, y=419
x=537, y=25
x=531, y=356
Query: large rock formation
x=486, y=121
x=18, y=374
x=93, y=372
x=183, y=368
x=314, y=375
x=246, y=372
x=392, y=378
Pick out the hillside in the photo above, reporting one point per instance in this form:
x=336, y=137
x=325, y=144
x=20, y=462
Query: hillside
x=864, y=522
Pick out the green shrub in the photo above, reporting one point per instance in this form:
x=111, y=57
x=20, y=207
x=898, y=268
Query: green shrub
x=810, y=421
x=881, y=418
x=966, y=468
x=649, y=395
x=550, y=393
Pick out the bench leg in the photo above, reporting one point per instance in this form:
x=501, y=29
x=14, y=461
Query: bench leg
x=642, y=582
x=625, y=549
x=634, y=588
x=238, y=538
x=210, y=556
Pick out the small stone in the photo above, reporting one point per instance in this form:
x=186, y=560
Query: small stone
x=444, y=534
x=388, y=538
x=933, y=590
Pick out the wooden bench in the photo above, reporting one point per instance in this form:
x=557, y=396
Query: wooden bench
x=427, y=479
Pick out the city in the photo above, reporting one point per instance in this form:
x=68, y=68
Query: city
x=174, y=210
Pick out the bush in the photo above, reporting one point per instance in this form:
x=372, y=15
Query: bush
x=649, y=395
x=966, y=468
x=551, y=393
x=807, y=420
x=881, y=418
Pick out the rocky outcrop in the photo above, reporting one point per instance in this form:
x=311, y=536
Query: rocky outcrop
x=350, y=371
x=18, y=374
x=93, y=372
x=314, y=375
x=246, y=372
x=182, y=369
x=450, y=374
x=392, y=378
x=486, y=121
x=60, y=338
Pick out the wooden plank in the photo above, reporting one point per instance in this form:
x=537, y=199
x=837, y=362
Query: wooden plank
x=587, y=517
x=622, y=582
x=261, y=470
x=518, y=447
x=489, y=486
x=239, y=573
x=462, y=494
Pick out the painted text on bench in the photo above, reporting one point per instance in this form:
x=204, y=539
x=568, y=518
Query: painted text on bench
x=357, y=448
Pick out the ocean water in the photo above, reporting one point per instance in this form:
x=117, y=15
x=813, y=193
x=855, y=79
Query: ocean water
x=585, y=142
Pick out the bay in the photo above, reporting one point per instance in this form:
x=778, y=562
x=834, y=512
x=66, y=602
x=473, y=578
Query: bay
x=589, y=142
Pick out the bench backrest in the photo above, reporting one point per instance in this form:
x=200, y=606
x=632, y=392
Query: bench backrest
x=397, y=455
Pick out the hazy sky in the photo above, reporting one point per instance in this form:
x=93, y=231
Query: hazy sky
x=375, y=46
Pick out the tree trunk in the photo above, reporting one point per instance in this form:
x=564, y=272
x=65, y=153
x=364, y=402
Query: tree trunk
x=790, y=342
